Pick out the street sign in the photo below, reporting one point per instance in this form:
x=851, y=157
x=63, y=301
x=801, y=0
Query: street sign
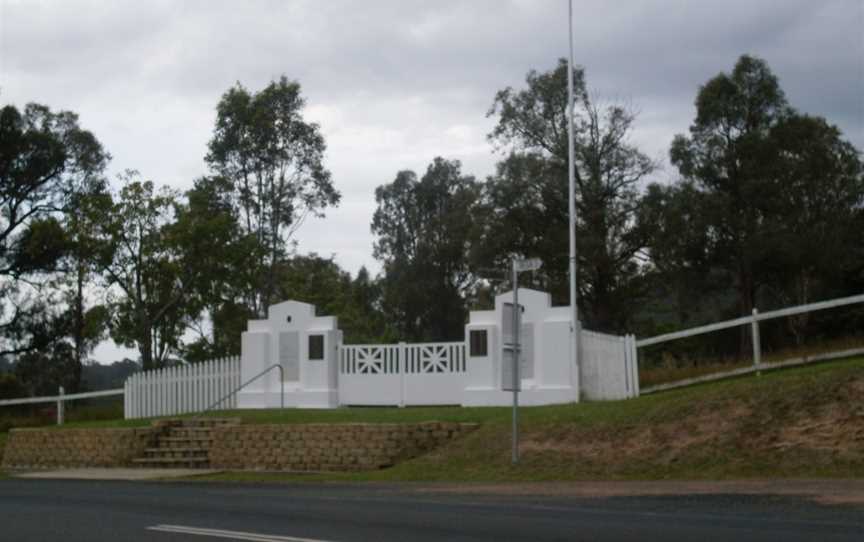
x=509, y=374
x=510, y=378
x=531, y=264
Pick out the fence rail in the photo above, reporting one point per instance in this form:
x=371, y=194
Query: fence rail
x=753, y=320
x=755, y=317
x=60, y=399
x=741, y=371
x=415, y=358
x=181, y=390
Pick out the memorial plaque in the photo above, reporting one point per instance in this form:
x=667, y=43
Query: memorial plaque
x=289, y=354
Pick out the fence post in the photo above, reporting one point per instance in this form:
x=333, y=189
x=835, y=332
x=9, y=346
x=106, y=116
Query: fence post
x=403, y=366
x=757, y=343
x=60, y=393
x=635, y=350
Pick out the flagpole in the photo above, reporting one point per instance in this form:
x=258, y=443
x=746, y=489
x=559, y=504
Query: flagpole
x=575, y=327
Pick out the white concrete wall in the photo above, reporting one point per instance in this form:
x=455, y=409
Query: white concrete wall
x=549, y=378
x=408, y=375
x=308, y=383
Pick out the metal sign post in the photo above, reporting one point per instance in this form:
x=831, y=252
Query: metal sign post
x=515, y=382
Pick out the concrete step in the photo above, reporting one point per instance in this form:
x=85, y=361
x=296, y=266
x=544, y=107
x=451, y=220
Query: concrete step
x=171, y=463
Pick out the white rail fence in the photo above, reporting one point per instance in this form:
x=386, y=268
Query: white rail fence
x=753, y=321
x=182, y=389
x=60, y=400
x=402, y=374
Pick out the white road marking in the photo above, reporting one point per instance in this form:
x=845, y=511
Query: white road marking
x=234, y=535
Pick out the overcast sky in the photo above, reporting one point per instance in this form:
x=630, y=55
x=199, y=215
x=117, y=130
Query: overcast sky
x=395, y=83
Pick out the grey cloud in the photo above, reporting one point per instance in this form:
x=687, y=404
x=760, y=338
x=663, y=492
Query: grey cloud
x=395, y=83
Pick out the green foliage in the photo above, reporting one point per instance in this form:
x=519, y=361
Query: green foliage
x=44, y=370
x=11, y=387
x=147, y=269
x=424, y=230
x=768, y=202
x=45, y=160
x=219, y=253
x=321, y=282
x=272, y=160
x=526, y=205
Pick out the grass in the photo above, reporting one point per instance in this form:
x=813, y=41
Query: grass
x=796, y=423
x=676, y=370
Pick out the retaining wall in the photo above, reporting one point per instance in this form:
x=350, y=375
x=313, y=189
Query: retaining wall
x=52, y=448
x=326, y=447
x=297, y=447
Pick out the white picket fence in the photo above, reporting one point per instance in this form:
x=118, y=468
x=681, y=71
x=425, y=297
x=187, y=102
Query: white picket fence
x=182, y=389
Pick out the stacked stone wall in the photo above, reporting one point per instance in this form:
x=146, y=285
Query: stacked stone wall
x=326, y=447
x=294, y=447
x=52, y=448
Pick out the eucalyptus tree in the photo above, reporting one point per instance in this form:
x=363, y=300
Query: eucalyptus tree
x=527, y=197
x=84, y=319
x=424, y=230
x=218, y=251
x=781, y=188
x=724, y=156
x=274, y=161
x=46, y=160
x=149, y=279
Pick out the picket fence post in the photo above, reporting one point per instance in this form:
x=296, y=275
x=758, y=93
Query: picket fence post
x=403, y=367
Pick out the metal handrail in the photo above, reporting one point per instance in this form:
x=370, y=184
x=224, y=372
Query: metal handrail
x=253, y=379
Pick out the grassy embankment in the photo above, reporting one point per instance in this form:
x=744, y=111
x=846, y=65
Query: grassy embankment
x=675, y=369
x=797, y=423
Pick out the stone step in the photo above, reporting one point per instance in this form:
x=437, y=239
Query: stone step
x=190, y=432
x=196, y=422
x=184, y=442
x=208, y=422
x=176, y=452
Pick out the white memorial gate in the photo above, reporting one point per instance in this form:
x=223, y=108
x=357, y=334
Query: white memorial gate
x=298, y=358
x=320, y=372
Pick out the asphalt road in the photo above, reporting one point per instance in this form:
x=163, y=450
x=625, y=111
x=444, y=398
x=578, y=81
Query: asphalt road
x=63, y=510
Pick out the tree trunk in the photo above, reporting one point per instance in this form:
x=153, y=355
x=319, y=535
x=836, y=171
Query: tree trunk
x=78, y=332
x=145, y=343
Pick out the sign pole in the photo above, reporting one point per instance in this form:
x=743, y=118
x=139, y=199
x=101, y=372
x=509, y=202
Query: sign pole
x=516, y=376
x=571, y=196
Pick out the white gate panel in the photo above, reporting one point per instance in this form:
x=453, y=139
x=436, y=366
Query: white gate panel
x=402, y=374
x=435, y=373
x=369, y=375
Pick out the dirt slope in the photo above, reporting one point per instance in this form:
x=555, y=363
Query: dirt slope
x=796, y=423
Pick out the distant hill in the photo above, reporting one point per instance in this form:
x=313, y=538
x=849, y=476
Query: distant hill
x=106, y=377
